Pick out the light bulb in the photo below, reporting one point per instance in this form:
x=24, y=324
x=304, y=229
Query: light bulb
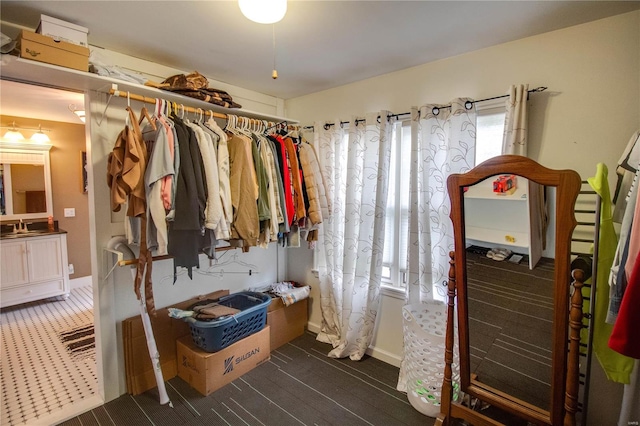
x=263, y=11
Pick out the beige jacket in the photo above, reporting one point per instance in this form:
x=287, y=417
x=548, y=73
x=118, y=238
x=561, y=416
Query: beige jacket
x=314, y=183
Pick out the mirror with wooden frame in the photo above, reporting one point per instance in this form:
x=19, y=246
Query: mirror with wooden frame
x=506, y=314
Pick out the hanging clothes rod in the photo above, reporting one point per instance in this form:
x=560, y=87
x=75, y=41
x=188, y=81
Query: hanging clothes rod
x=180, y=107
x=436, y=110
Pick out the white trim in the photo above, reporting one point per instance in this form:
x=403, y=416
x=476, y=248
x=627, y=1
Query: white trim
x=372, y=351
x=81, y=282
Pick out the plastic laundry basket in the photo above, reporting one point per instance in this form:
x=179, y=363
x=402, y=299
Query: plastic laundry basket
x=424, y=329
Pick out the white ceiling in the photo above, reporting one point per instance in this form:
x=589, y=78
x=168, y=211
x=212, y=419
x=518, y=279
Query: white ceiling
x=320, y=44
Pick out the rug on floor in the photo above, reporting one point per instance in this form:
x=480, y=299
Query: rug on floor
x=79, y=341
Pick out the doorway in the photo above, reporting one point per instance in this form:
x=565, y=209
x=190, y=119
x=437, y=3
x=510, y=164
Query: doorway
x=48, y=365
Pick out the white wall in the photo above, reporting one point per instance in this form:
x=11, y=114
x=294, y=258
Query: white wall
x=586, y=116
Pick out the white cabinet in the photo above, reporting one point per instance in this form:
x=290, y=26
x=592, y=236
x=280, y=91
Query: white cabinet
x=33, y=268
x=494, y=220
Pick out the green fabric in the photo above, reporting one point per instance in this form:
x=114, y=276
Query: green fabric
x=616, y=366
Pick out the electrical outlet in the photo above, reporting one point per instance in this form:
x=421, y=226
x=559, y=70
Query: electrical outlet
x=70, y=212
x=71, y=269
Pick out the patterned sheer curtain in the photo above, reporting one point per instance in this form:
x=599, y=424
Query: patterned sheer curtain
x=352, y=240
x=441, y=144
x=514, y=140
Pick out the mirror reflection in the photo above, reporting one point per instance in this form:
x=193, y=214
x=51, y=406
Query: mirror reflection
x=27, y=185
x=25, y=181
x=509, y=288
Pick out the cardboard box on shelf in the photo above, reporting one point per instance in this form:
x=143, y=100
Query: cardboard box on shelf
x=61, y=30
x=286, y=322
x=45, y=49
x=207, y=372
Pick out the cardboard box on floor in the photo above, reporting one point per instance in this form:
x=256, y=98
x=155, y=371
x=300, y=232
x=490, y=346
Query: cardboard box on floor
x=209, y=371
x=286, y=322
x=138, y=368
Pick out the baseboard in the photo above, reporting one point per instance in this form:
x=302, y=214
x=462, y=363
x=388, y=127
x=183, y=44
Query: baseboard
x=382, y=355
x=81, y=282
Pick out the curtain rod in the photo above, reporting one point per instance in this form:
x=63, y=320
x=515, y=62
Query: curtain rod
x=435, y=110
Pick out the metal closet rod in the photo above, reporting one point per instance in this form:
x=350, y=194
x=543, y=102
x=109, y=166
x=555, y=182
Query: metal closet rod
x=435, y=110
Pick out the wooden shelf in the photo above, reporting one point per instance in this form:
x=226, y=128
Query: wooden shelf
x=39, y=73
x=497, y=236
x=485, y=190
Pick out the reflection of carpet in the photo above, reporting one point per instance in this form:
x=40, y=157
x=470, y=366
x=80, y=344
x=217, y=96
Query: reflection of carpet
x=80, y=341
x=511, y=326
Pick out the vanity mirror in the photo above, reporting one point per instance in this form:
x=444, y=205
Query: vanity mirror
x=25, y=181
x=514, y=319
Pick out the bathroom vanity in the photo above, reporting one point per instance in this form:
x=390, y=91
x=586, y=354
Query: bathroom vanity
x=33, y=266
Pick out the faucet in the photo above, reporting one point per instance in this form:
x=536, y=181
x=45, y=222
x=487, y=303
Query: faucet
x=22, y=228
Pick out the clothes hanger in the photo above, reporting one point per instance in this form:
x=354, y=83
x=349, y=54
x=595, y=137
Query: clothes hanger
x=233, y=261
x=145, y=114
x=126, y=121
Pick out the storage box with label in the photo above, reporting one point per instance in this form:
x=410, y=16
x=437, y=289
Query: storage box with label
x=45, y=49
x=207, y=372
x=60, y=30
x=286, y=322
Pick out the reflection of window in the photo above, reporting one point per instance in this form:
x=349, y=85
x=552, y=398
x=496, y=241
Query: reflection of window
x=489, y=130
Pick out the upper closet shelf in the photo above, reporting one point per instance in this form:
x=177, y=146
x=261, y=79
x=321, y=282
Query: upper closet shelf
x=43, y=74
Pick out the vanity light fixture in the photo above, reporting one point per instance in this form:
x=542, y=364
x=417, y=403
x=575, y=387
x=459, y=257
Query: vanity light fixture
x=79, y=112
x=13, y=134
x=263, y=11
x=39, y=136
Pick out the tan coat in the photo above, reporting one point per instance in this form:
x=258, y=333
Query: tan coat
x=314, y=183
x=242, y=186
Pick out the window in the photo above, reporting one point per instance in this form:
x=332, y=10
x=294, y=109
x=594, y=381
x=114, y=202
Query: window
x=394, y=266
x=489, y=130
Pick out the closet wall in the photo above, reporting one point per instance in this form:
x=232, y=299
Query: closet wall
x=587, y=116
x=116, y=297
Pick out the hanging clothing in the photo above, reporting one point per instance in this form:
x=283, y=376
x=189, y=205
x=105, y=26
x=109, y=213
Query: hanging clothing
x=188, y=224
x=313, y=182
x=624, y=337
x=223, y=228
x=285, y=172
x=245, y=224
x=296, y=178
x=125, y=169
x=159, y=166
x=617, y=367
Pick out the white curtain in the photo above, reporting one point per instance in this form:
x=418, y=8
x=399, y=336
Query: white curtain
x=352, y=239
x=514, y=140
x=441, y=144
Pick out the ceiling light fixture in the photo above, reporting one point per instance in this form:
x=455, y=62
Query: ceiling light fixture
x=263, y=11
x=39, y=136
x=13, y=134
x=79, y=112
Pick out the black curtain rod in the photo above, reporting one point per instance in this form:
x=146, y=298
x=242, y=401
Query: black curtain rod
x=436, y=110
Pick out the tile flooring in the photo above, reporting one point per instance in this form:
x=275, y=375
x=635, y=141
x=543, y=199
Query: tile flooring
x=38, y=375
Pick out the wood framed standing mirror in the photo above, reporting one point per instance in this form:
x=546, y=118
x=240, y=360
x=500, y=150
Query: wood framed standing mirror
x=514, y=319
